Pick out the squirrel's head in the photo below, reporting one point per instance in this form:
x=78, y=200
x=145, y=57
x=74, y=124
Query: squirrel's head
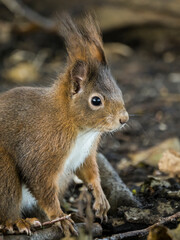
x=95, y=100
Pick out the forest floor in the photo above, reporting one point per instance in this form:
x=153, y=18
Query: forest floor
x=145, y=61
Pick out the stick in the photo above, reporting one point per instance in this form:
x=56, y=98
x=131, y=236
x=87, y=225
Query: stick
x=52, y=233
x=18, y=7
x=55, y=220
x=143, y=232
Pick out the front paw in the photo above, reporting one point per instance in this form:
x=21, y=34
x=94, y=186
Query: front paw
x=67, y=227
x=101, y=206
x=22, y=225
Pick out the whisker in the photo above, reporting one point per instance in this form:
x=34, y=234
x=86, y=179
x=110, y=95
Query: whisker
x=123, y=126
x=139, y=126
x=127, y=125
x=135, y=114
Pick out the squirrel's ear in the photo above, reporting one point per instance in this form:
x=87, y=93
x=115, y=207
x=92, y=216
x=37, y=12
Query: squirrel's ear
x=91, y=33
x=78, y=75
x=83, y=41
x=73, y=38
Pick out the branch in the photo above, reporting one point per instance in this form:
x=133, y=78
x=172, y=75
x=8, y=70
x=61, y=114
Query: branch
x=52, y=232
x=18, y=7
x=49, y=223
x=143, y=232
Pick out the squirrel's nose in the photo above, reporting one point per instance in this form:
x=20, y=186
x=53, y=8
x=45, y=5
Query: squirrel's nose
x=124, y=117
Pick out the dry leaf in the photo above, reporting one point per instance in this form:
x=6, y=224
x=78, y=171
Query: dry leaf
x=170, y=162
x=158, y=233
x=152, y=155
x=175, y=233
x=117, y=48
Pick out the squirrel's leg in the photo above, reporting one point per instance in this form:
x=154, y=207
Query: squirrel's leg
x=46, y=193
x=11, y=196
x=10, y=192
x=89, y=174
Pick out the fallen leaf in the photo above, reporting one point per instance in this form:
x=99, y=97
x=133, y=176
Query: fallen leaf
x=159, y=233
x=152, y=155
x=175, y=233
x=117, y=48
x=170, y=162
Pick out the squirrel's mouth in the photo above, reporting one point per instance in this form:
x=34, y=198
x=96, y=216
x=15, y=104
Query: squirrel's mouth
x=110, y=124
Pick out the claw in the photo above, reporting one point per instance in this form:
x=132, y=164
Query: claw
x=59, y=226
x=75, y=233
x=97, y=214
x=67, y=227
x=26, y=231
x=71, y=221
x=37, y=224
x=9, y=230
x=105, y=218
x=33, y=222
x=23, y=226
x=101, y=206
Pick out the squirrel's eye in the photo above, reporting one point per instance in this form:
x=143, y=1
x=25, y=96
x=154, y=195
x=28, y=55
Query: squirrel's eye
x=96, y=101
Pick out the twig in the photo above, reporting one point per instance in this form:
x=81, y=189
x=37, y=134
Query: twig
x=143, y=232
x=55, y=220
x=52, y=233
x=18, y=7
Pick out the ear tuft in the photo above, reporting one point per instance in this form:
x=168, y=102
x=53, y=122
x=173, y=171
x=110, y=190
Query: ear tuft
x=83, y=41
x=73, y=38
x=78, y=75
x=91, y=32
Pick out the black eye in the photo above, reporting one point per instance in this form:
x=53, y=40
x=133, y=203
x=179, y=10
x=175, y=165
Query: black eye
x=96, y=101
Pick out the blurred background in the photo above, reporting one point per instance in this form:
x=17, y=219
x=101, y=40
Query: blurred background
x=142, y=44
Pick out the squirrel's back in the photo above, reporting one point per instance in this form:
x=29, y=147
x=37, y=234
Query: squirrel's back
x=29, y=122
x=20, y=108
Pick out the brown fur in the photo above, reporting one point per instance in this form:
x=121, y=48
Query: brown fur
x=38, y=127
x=84, y=42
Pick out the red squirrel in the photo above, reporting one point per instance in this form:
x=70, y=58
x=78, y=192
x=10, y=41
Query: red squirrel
x=50, y=133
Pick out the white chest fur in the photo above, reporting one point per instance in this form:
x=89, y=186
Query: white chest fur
x=80, y=150
x=78, y=154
